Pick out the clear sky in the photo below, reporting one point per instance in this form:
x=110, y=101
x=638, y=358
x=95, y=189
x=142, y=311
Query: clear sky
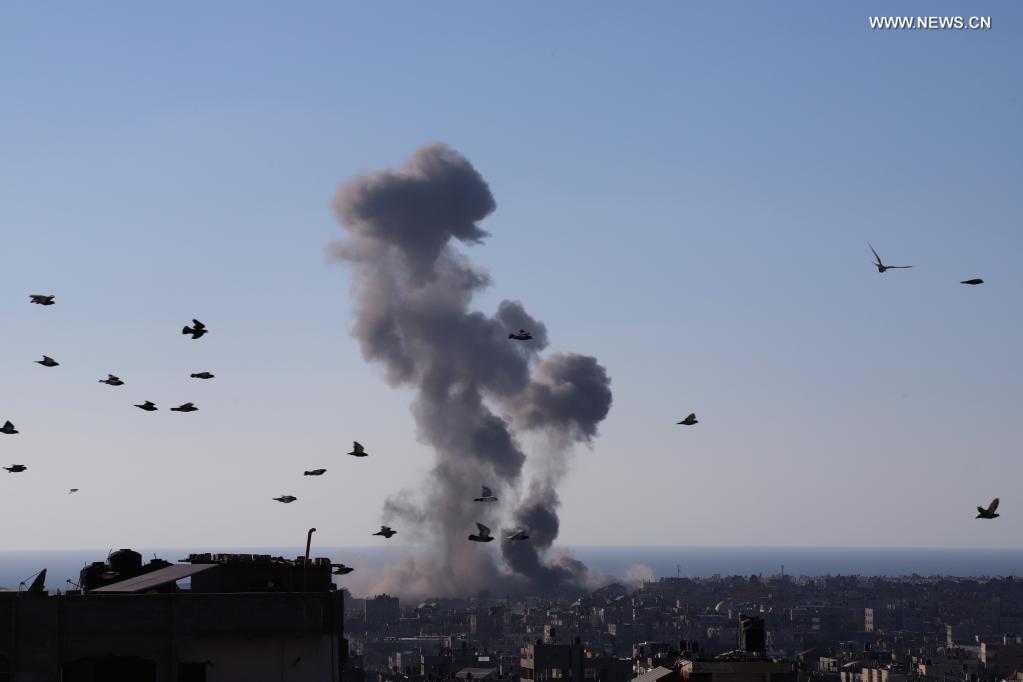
x=685, y=190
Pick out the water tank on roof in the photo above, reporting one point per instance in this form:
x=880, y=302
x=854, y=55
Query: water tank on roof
x=90, y=576
x=125, y=563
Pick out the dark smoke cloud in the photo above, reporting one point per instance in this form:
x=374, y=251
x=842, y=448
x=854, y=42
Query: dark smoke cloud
x=437, y=188
x=539, y=515
x=473, y=385
x=569, y=394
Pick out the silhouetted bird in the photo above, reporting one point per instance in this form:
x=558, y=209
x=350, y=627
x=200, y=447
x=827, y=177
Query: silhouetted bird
x=341, y=569
x=196, y=330
x=988, y=513
x=111, y=380
x=386, y=531
x=47, y=361
x=8, y=428
x=286, y=499
x=187, y=407
x=148, y=406
x=690, y=420
x=519, y=534
x=522, y=335
x=72, y=490
x=881, y=267
x=358, y=450
x=315, y=472
x=972, y=281
x=484, y=534
x=42, y=299
x=16, y=468
x=487, y=496
x=202, y=375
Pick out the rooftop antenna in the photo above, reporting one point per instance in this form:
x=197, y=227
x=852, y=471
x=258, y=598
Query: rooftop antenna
x=305, y=565
x=678, y=570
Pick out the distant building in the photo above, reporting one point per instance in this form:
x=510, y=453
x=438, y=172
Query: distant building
x=383, y=610
x=881, y=675
x=477, y=674
x=752, y=635
x=949, y=664
x=542, y=662
x=571, y=662
x=736, y=670
x=1005, y=657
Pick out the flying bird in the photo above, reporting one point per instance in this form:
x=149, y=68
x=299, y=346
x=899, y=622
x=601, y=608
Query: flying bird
x=202, y=375
x=111, y=380
x=519, y=534
x=976, y=281
x=385, y=531
x=47, y=361
x=196, y=330
x=522, y=335
x=186, y=407
x=9, y=429
x=72, y=490
x=487, y=496
x=484, y=534
x=148, y=406
x=16, y=468
x=881, y=267
x=315, y=472
x=286, y=499
x=690, y=420
x=358, y=450
x=988, y=513
x=42, y=299
x=341, y=569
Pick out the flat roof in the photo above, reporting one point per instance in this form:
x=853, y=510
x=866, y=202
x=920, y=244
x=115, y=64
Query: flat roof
x=653, y=674
x=149, y=581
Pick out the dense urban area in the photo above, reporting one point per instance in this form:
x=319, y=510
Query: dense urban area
x=720, y=629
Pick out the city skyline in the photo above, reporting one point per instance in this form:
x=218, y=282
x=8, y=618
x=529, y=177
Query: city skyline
x=686, y=197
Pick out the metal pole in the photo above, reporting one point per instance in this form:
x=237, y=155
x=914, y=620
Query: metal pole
x=305, y=565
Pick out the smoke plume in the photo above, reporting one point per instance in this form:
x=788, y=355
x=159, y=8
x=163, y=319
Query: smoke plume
x=477, y=391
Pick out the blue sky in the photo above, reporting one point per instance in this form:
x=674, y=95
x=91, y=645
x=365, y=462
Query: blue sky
x=684, y=190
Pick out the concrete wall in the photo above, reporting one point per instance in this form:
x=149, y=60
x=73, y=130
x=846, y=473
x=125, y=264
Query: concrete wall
x=284, y=660
x=40, y=633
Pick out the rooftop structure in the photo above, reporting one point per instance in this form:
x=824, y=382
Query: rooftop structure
x=241, y=619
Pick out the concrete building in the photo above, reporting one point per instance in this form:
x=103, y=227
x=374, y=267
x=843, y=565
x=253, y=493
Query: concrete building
x=383, y=610
x=1005, y=657
x=752, y=636
x=736, y=669
x=951, y=664
x=476, y=674
x=881, y=675
x=571, y=662
x=552, y=662
x=148, y=628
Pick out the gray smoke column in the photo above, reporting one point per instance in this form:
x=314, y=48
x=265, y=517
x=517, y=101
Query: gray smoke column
x=475, y=388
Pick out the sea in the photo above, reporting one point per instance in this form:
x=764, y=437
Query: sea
x=628, y=563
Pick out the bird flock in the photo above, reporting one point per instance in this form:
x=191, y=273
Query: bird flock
x=882, y=268
x=982, y=513
x=197, y=330
x=483, y=533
